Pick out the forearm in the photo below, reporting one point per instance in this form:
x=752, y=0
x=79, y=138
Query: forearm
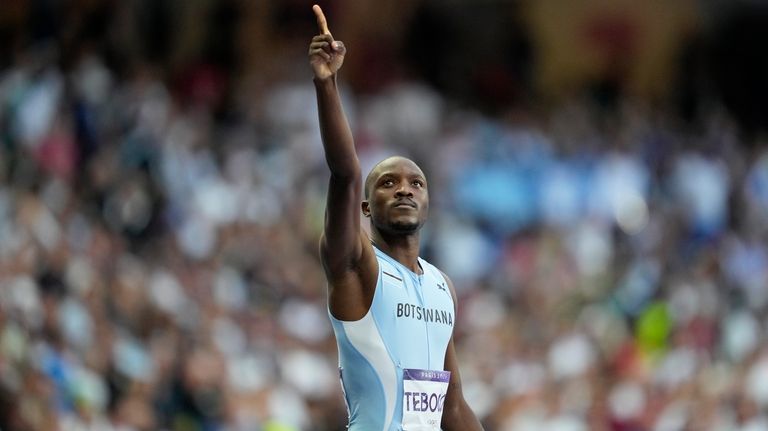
x=460, y=418
x=336, y=134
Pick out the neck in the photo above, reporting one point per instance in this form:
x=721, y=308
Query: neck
x=404, y=248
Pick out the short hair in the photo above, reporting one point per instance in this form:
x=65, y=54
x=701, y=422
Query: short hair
x=370, y=178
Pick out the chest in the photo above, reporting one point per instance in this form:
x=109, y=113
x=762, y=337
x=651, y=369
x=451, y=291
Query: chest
x=416, y=314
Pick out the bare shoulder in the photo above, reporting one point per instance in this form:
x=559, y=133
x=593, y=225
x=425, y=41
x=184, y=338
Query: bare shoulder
x=350, y=292
x=337, y=265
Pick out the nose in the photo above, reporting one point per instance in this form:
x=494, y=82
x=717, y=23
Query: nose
x=404, y=191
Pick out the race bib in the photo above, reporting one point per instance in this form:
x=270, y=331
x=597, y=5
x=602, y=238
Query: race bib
x=423, y=398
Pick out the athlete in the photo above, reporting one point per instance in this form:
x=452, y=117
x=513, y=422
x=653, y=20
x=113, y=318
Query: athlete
x=392, y=312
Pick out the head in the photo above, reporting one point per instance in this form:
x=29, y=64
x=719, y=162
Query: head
x=396, y=196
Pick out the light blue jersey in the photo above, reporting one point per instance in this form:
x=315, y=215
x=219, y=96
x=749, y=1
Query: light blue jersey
x=409, y=325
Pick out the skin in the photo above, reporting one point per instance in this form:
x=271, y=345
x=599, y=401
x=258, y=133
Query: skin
x=397, y=204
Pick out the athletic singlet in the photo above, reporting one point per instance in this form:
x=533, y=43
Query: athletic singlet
x=408, y=326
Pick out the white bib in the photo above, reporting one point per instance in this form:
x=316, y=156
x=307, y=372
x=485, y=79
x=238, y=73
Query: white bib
x=423, y=398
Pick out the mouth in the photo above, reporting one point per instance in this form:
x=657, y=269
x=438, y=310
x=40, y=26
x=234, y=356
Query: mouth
x=405, y=204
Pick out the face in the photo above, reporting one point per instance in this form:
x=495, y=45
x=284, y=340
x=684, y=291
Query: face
x=398, y=201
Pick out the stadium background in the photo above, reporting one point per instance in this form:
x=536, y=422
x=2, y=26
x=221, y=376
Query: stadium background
x=599, y=183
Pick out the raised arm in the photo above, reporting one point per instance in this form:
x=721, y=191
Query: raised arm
x=326, y=56
x=342, y=245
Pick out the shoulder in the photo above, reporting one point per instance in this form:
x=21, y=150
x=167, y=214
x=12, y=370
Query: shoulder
x=365, y=264
x=439, y=272
x=351, y=288
x=449, y=282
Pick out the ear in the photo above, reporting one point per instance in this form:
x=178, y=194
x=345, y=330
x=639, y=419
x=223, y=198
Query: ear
x=366, y=208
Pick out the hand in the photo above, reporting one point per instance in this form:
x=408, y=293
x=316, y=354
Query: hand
x=325, y=54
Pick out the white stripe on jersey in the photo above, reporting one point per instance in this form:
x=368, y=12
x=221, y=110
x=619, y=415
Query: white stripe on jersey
x=365, y=337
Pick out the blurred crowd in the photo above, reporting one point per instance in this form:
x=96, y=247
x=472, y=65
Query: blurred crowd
x=159, y=269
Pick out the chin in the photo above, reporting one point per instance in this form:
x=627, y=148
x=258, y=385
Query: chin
x=405, y=227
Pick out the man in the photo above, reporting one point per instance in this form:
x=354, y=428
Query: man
x=392, y=312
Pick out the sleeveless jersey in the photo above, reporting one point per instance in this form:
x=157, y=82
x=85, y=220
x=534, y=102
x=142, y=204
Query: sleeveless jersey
x=409, y=325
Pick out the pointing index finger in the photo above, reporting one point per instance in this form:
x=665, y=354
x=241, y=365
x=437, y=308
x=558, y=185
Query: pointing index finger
x=322, y=24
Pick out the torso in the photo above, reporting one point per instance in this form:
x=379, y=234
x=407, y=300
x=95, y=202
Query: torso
x=408, y=325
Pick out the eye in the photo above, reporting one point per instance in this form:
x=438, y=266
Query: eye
x=387, y=183
x=418, y=183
